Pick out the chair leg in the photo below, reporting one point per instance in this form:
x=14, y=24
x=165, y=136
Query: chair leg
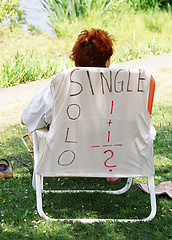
x=122, y=190
x=152, y=201
x=127, y=186
x=39, y=197
x=152, y=198
x=39, y=188
x=39, y=180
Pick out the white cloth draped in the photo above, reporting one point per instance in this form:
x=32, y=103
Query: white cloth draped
x=100, y=125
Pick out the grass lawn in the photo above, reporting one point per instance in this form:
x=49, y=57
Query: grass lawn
x=31, y=57
x=18, y=214
x=28, y=58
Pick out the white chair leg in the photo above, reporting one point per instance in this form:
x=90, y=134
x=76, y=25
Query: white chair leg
x=39, y=190
x=36, y=148
x=152, y=201
x=39, y=186
x=126, y=187
x=152, y=198
x=39, y=197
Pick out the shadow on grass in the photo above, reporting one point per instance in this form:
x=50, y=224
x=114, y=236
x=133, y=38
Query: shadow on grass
x=19, y=218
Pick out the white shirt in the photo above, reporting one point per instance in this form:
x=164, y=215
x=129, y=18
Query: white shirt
x=37, y=114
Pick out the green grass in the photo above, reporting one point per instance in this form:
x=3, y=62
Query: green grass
x=30, y=57
x=18, y=214
x=25, y=67
x=19, y=218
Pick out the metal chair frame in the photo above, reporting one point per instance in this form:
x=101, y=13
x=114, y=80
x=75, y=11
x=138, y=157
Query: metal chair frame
x=40, y=191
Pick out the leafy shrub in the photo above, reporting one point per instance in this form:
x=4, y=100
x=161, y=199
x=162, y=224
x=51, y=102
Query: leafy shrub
x=7, y=8
x=11, y=9
x=147, y=4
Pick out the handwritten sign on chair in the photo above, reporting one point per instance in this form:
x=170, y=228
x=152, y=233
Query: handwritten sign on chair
x=101, y=124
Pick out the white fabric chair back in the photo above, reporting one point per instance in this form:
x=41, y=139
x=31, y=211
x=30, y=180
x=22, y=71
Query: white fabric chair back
x=101, y=124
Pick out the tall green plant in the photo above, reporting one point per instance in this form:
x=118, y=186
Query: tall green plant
x=60, y=10
x=27, y=67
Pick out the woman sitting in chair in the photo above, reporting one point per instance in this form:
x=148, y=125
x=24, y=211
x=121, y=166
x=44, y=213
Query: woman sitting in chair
x=93, y=48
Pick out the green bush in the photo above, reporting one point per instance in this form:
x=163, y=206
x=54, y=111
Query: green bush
x=7, y=8
x=150, y=4
x=11, y=9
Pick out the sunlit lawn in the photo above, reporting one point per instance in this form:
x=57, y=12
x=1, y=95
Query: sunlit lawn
x=31, y=57
x=19, y=218
x=28, y=58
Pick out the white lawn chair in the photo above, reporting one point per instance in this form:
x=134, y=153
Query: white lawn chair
x=101, y=127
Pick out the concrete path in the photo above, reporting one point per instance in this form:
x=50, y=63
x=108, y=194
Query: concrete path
x=13, y=99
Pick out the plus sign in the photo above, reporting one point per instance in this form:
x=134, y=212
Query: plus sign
x=109, y=122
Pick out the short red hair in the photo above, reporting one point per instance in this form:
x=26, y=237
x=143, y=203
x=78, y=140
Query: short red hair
x=92, y=48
